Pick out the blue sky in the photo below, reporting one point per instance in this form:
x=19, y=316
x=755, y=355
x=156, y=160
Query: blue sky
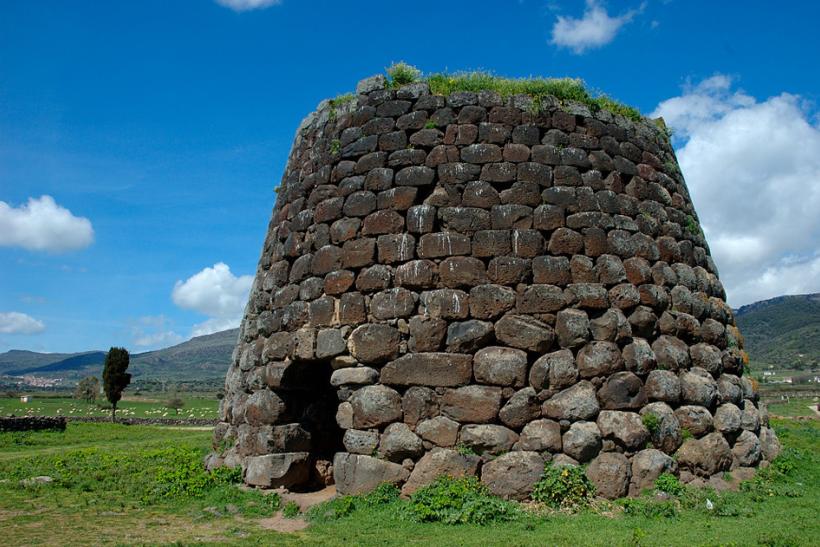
x=157, y=131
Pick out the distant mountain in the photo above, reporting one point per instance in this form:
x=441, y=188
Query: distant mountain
x=783, y=332
x=21, y=359
x=73, y=362
x=199, y=358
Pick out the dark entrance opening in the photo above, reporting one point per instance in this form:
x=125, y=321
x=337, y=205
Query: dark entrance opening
x=314, y=404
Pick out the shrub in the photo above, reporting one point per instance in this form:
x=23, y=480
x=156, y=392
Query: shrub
x=648, y=508
x=175, y=403
x=251, y=503
x=563, y=487
x=334, y=509
x=87, y=389
x=187, y=478
x=382, y=496
x=669, y=483
x=402, y=73
x=459, y=501
x=290, y=510
x=777, y=479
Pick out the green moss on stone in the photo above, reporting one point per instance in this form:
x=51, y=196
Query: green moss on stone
x=563, y=89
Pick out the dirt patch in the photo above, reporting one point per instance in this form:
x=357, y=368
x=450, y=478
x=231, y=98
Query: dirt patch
x=306, y=500
x=278, y=523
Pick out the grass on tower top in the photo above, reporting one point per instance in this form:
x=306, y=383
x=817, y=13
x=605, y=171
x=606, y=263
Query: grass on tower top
x=563, y=89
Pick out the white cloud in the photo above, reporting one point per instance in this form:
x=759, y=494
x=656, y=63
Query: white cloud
x=786, y=277
x=215, y=324
x=19, y=323
x=42, y=225
x=753, y=169
x=247, y=5
x=595, y=29
x=154, y=331
x=214, y=292
x=158, y=339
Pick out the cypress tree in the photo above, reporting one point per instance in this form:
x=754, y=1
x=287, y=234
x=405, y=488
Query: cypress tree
x=115, y=379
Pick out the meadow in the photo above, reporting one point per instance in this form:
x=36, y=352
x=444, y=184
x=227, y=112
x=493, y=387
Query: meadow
x=116, y=484
x=146, y=406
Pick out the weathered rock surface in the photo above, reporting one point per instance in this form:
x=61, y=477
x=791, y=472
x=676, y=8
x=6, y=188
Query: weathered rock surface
x=274, y=470
x=610, y=472
x=375, y=406
x=540, y=435
x=398, y=443
x=705, y=457
x=625, y=428
x=513, y=475
x=582, y=441
x=647, y=466
x=355, y=473
x=437, y=463
x=578, y=402
x=488, y=439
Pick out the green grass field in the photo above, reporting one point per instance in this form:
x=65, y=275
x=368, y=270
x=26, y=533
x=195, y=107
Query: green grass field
x=130, y=407
x=115, y=484
x=796, y=406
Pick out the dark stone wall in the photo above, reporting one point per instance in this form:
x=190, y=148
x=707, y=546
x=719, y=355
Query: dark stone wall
x=36, y=423
x=478, y=285
x=32, y=423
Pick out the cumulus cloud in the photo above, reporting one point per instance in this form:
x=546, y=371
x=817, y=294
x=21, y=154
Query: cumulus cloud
x=42, y=225
x=753, y=169
x=247, y=5
x=154, y=331
x=594, y=29
x=19, y=323
x=216, y=293
x=158, y=339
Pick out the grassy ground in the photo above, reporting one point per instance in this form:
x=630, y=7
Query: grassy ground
x=796, y=406
x=130, y=407
x=115, y=484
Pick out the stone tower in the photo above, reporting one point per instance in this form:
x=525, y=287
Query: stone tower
x=471, y=284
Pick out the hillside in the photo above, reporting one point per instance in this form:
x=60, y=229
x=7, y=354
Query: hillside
x=199, y=358
x=783, y=332
x=20, y=359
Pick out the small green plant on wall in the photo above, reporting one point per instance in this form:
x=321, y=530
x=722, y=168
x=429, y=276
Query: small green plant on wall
x=402, y=73
x=335, y=147
x=651, y=423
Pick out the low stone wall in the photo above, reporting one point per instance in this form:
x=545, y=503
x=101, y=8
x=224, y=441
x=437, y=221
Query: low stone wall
x=32, y=423
x=146, y=421
x=38, y=423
